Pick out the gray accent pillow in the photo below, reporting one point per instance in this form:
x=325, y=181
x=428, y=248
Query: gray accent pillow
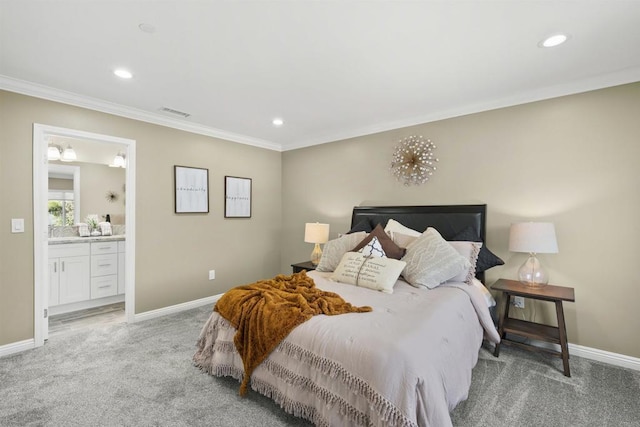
x=334, y=249
x=431, y=260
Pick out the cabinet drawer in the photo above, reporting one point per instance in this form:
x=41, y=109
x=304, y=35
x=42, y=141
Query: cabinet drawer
x=68, y=249
x=104, y=265
x=104, y=286
x=98, y=248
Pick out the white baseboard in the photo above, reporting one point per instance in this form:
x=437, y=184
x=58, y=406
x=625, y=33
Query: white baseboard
x=176, y=308
x=17, y=347
x=593, y=354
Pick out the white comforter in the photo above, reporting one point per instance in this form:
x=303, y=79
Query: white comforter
x=407, y=363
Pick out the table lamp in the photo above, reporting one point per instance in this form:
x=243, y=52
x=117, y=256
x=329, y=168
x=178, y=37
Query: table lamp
x=533, y=238
x=316, y=233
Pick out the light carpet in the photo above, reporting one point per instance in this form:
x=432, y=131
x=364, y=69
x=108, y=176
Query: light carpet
x=142, y=375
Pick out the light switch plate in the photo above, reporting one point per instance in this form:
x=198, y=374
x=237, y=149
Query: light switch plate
x=17, y=225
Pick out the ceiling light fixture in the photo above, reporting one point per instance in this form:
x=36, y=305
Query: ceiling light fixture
x=122, y=73
x=554, y=40
x=68, y=155
x=277, y=121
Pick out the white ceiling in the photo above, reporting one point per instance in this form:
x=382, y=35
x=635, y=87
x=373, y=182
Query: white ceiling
x=330, y=69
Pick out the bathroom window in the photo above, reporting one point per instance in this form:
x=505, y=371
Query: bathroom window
x=61, y=208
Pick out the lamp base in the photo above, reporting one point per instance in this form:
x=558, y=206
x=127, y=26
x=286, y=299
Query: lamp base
x=316, y=254
x=532, y=274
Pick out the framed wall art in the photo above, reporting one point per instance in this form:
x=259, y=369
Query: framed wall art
x=191, y=189
x=237, y=197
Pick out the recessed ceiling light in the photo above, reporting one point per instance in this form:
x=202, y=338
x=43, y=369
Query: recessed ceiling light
x=554, y=40
x=277, y=121
x=122, y=73
x=147, y=28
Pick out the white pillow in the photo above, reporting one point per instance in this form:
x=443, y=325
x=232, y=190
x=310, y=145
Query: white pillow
x=334, y=249
x=485, y=292
x=373, y=249
x=394, y=227
x=403, y=240
x=375, y=273
x=431, y=260
x=470, y=251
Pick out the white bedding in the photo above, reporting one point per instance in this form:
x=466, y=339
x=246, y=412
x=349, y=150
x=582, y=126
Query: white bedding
x=407, y=363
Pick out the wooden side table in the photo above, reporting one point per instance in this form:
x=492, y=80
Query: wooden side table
x=538, y=331
x=305, y=265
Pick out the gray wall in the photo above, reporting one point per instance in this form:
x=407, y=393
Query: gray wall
x=571, y=160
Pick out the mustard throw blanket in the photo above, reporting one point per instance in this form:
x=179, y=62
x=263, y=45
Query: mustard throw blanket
x=266, y=311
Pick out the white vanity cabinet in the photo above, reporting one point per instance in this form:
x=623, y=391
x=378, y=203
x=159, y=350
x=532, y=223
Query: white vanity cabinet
x=69, y=273
x=86, y=274
x=104, y=269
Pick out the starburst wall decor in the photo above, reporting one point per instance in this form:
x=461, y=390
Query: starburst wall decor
x=413, y=160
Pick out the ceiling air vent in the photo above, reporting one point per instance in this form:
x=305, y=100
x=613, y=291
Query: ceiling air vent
x=175, y=112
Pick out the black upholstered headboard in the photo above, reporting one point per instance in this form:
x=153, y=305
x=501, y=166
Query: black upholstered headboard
x=448, y=220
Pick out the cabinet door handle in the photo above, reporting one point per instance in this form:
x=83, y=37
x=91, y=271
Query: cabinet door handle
x=105, y=247
x=104, y=265
x=55, y=267
x=104, y=286
x=63, y=266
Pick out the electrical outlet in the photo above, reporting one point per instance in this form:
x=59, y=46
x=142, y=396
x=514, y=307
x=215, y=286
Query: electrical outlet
x=518, y=302
x=212, y=274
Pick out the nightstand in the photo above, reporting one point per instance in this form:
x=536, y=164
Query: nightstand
x=306, y=265
x=538, y=331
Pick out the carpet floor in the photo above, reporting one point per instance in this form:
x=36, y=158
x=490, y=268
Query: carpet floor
x=142, y=375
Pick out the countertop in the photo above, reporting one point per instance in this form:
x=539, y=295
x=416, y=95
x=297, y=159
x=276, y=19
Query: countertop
x=78, y=239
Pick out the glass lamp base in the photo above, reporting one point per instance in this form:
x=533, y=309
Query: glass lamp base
x=532, y=274
x=316, y=254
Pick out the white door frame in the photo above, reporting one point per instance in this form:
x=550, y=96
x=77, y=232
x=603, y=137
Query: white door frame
x=41, y=133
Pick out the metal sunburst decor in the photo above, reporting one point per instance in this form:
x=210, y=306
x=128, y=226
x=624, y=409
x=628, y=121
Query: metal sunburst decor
x=413, y=160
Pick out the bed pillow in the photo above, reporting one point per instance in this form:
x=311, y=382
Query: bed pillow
x=403, y=240
x=470, y=251
x=375, y=273
x=431, y=260
x=334, y=249
x=486, y=258
x=391, y=249
x=393, y=227
x=373, y=249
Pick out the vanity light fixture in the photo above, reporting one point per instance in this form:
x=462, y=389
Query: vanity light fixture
x=118, y=161
x=54, y=152
x=68, y=155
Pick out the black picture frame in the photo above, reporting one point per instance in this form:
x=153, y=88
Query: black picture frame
x=237, y=197
x=191, y=189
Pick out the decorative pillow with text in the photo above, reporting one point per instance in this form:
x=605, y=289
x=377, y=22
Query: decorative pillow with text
x=375, y=273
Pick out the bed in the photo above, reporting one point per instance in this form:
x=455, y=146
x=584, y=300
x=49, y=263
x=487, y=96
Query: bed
x=408, y=362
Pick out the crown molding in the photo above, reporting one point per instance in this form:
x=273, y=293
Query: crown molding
x=630, y=75
x=40, y=91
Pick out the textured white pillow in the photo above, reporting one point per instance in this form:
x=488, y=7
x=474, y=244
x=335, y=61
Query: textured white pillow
x=403, y=240
x=375, y=273
x=373, y=249
x=470, y=251
x=393, y=227
x=431, y=260
x=334, y=249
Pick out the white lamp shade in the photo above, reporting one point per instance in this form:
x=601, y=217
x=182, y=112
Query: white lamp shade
x=68, y=155
x=53, y=153
x=533, y=237
x=315, y=232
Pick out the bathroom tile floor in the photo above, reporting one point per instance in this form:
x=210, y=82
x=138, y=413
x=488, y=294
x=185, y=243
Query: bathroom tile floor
x=62, y=323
